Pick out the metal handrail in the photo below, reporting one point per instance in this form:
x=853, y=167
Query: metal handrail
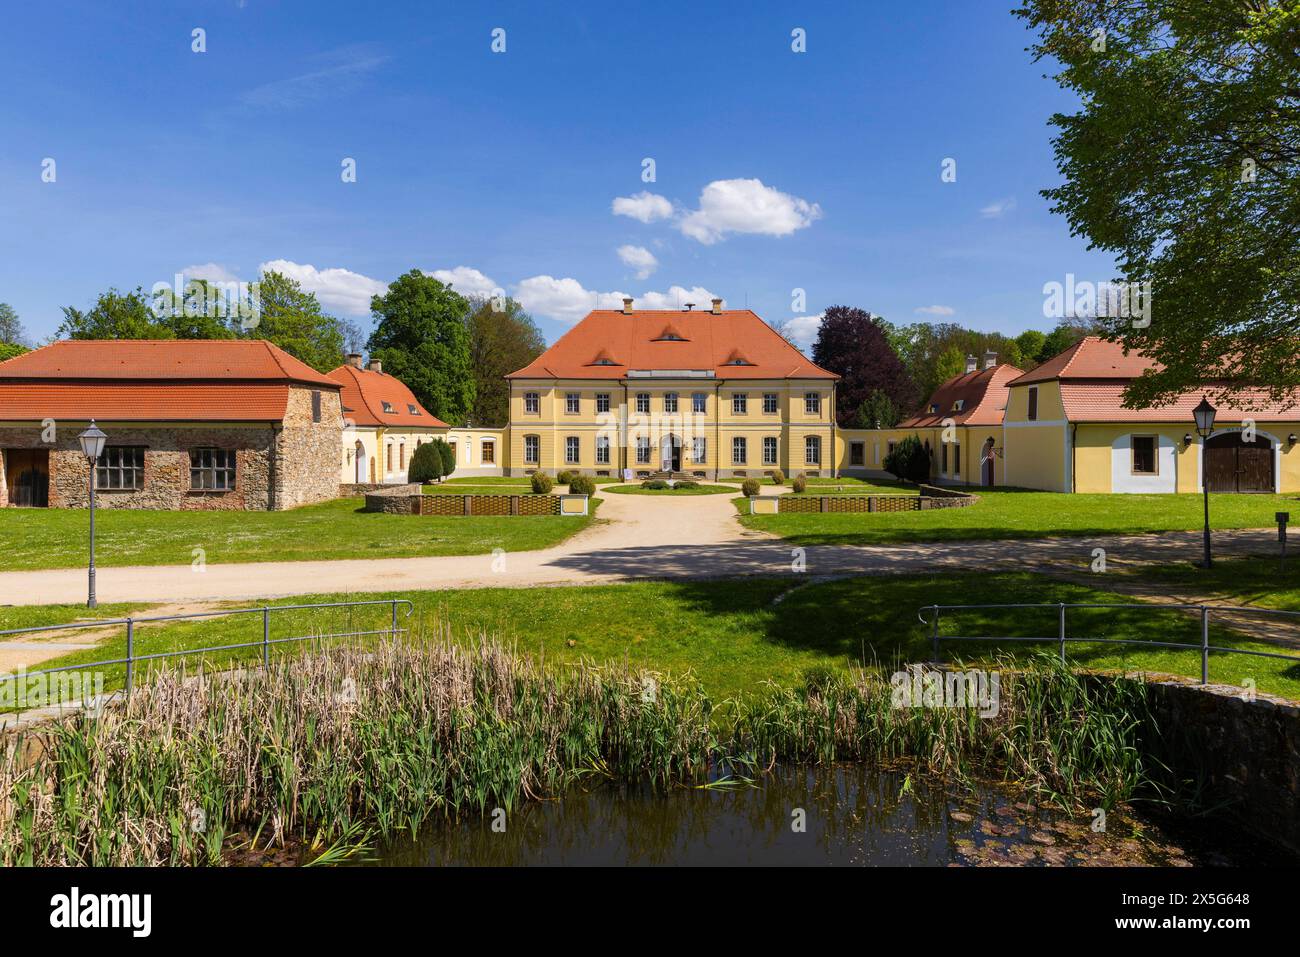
x=265, y=644
x=1062, y=638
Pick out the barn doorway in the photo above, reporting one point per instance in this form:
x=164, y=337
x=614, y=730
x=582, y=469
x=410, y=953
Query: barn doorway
x=1233, y=465
x=27, y=475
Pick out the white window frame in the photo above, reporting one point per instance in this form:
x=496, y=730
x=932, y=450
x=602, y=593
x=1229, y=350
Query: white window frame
x=572, y=450
x=812, y=450
x=740, y=403
x=532, y=403
x=771, y=450
x=739, y=445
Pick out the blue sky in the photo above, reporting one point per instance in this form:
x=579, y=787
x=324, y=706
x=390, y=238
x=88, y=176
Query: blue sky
x=774, y=170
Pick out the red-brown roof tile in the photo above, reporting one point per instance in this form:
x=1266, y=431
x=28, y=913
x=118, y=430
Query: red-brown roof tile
x=106, y=401
x=365, y=392
x=983, y=395
x=1102, y=402
x=162, y=360
x=1089, y=358
x=708, y=340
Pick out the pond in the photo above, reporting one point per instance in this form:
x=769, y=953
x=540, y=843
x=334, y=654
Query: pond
x=852, y=815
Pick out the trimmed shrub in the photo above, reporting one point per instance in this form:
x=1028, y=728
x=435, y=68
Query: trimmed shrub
x=800, y=483
x=565, y=477
x=448, y=456
x=909, y=461
x=582, y=485
x=778, y=477
x=657, y=484
x=426, y=464
x=542, y=483
x=749, y=488
x=687, y=483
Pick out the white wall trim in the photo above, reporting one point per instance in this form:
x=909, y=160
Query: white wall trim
x=1122, y=479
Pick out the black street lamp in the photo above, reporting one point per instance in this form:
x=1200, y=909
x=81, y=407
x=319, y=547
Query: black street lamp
x=1204, y=415
x=92, y=445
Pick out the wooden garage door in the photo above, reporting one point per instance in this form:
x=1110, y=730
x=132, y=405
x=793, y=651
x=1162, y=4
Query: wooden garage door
x=27, y=473
x=1232, y=465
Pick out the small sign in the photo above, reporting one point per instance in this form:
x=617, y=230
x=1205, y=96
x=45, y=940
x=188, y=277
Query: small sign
x=627, y=475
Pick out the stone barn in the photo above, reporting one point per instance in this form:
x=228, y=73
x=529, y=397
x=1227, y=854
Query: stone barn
x=191, y=424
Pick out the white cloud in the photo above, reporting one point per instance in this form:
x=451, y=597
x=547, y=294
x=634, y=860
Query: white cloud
x=212, y=272
x=802, y=331
x=675, y=298
x=935, y=310
x=999, y=208
x=466, y=281
x=640, y=259
x=567, y=300
x=647, y=207
x=563, y=299
x=746, y=206
x=339, y=289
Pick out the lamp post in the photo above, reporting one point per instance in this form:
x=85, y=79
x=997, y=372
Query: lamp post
x=1204, y=415
x=92, y=445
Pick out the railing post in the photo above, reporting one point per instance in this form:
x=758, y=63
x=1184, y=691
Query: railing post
x=1061, y=631
x=934, y=633
x=130, y=653
x=394, y=628
x=266, y=637
x=1205, y=645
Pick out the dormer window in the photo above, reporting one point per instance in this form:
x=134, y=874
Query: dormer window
x=388, y=406
x=959, y=405
x=669, y=334
x=934, y=408
x=604, y=362
x=413, y=408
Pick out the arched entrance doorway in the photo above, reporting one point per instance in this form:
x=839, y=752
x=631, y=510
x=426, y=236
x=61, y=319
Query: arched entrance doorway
x=670, y=454
x=987, y=462
x=1233, y=465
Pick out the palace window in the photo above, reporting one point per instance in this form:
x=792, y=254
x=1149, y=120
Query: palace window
x=571, y=450
x=812, y=403
x=769, y=450
x=602, y=450
x=857, y=454
x=699, y=401
x=699, y=450
x=120, y=467
x=738, y=450
x=489, y=452
x=770, y=403
x=1032, y=414
x=642, y=450
x=643, y=402
x=670, y=401
x=572, y=403
x=532, y=449
x=532, y=403
x=1144, y=455
x=602, y=401
x=812, y=450
x=212, y=470
x=739, y=403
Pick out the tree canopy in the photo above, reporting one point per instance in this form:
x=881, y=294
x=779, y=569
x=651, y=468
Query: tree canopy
x=11, y=329
x=499, y=343
x=853, y=345
x=422, y=338
x=1184, y=163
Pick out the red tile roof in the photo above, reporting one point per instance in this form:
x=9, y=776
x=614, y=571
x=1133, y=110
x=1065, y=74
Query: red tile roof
x=983, y=395
x=1094, y=372
x=366, y=391
x=162, y=359
x=1089, y=358
x=608, y=344
x=182, y=380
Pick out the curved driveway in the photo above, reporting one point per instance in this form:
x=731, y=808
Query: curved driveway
x=637, y=536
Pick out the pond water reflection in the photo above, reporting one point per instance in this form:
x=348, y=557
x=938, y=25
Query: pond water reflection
x=853, y=815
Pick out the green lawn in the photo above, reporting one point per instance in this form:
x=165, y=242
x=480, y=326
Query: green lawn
x=29, y=616
x=521, y=480
x=56, y=537
x=697, y=490
x=1012, y=513
x=477, y=489
x=734, y=637
x=823, y=485
x=1263, y=581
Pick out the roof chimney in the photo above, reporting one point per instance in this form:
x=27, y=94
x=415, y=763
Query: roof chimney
x=376, y=366
x=717, y=307
x=627, y=305
x=689, y=306
x=354, y=359
x=972, y=363
x=990, y=359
